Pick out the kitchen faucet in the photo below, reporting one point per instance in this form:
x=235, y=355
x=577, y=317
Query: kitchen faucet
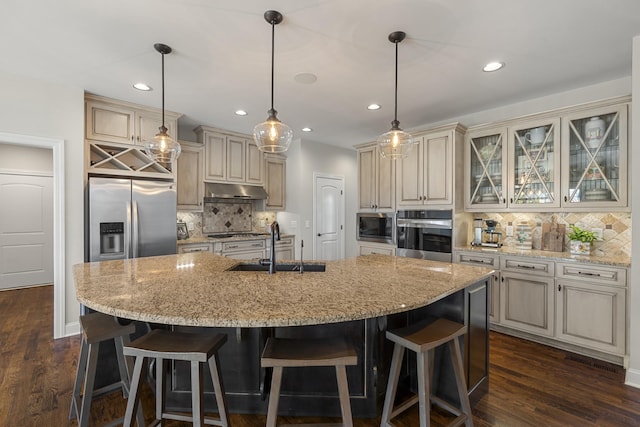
x=274, y=228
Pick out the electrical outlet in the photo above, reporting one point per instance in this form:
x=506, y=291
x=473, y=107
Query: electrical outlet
x=307, y=224
x=597, y=232
x=263, y=223
x=509, y=230
x=190, y=226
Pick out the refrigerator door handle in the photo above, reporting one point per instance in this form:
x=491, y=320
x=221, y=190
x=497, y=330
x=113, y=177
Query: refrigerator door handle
x=127, y=233
x=135, y=230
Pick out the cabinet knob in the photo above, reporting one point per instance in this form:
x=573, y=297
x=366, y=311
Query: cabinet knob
x=559, y=288
x=566, y=198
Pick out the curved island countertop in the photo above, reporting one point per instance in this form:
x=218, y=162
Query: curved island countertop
x=195, y=289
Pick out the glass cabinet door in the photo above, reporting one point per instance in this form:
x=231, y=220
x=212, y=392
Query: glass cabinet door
x=486, y=170
x=534, y=175
x=596, y=154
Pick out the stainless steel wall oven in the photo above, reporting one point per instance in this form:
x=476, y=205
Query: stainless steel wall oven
x=425, y=234
x=376, y=227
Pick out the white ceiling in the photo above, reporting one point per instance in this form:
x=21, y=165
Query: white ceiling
x=222, y=51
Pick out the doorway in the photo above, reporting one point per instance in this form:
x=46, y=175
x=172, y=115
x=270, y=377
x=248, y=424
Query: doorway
x=58, y=184
x=329, y=217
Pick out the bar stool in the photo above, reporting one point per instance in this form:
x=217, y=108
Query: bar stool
x=282, y=353
x=422, y=340
x=164, y=345
x=98, y=328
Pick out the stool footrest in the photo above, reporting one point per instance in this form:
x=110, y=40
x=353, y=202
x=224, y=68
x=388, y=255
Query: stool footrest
x=176, y=416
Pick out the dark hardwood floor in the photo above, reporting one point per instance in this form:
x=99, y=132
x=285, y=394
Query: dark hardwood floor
x=530, y=384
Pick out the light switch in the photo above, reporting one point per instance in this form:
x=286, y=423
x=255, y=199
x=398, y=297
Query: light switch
x=294, y=224
x=307, y=224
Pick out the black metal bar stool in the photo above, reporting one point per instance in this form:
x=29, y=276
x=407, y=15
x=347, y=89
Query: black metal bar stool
x=98, y=328
x=422, y=340
x=164, y=345
x=282, y=353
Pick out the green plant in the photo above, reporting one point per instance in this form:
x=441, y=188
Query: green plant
x=582, y=235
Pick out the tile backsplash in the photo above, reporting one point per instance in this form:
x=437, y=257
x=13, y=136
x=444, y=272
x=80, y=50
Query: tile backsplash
x=616, y=227
x=239, y=216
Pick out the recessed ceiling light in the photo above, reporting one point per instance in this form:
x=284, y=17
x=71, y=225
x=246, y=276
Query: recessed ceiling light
x=493, y=66
x=142, y=86
x=307, y=129
x=373, y=107
x=241, y=113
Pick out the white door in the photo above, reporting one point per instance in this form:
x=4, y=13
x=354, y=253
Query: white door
x=26, y=230
x=329, y=217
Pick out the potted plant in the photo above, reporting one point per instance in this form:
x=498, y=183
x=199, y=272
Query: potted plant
x=581, y=240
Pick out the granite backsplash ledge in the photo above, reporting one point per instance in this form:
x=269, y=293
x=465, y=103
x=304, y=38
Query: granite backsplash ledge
x=616, y=227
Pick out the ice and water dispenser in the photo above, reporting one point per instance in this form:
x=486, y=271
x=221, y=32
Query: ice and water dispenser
x=111, y=238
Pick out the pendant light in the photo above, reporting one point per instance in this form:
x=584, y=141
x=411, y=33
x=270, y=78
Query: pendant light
x=162, y=148
x=396, y=143
x=272, y=136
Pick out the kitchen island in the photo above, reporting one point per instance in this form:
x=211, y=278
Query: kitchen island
x=359, y=298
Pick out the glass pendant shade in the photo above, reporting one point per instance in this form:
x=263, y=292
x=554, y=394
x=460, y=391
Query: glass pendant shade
x=162, y=148
x=395, y=144
x=272, y=136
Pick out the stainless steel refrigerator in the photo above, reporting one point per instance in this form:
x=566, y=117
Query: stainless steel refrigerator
x=130, y=218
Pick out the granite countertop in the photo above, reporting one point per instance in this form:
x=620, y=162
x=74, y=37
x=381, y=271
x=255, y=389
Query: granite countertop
x=613, y=260
x=195, y=289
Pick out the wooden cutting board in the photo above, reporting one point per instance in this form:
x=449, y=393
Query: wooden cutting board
x=553, y=236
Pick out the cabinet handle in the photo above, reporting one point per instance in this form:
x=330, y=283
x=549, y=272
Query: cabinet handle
x=502, y=279
x=511, y=200
x=583, y=273
x=530, y=267
x=495, y=277
x=257, y=245
x=232, y=246
x=565, y=198
x=559, y=288
x=479, y=261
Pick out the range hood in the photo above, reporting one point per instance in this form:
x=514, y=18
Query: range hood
x=233, y=191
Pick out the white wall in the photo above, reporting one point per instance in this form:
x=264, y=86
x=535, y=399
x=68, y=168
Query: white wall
x=304, y=158
x=37, y=108
x=633, y=372
x=32, y=159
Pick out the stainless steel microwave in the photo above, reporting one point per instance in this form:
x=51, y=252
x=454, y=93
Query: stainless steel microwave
x=376, y=227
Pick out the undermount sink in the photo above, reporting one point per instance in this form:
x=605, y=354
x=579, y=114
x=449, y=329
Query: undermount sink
x=286, y=267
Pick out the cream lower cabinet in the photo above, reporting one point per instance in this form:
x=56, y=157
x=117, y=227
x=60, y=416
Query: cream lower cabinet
x=369, y=248
x=189, y=177
x=242, y=249
x=285, y=249
x=591, y=306
x=488, y=260
x=577, y=306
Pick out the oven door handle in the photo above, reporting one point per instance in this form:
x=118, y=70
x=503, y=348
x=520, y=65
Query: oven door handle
x=423, y=224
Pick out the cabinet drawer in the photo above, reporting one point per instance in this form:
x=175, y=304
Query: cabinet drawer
x=481, y=259
x=592, y=273
x=285, y=241
x=527, y=265
x=185, y=249
x=243, y=245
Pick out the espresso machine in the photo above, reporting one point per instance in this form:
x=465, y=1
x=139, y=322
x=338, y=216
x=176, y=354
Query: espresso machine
x=477, y=232
x=491, y=237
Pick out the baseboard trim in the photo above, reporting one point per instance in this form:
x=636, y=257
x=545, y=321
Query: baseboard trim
x=632, y=378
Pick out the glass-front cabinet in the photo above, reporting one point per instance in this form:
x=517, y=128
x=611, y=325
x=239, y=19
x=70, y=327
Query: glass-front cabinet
x=595, y=153
x=486, y=177
x=576, y=159
x=533, y=165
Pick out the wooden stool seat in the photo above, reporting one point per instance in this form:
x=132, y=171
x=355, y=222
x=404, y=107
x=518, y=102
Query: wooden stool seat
x=423, y=340
x=282, y=353
x=164, y=345
x=97, y=328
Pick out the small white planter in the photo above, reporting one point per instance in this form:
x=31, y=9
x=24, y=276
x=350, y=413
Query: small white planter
x=580, y=248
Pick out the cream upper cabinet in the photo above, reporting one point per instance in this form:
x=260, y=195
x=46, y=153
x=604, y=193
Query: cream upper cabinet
x=189, y=177
x=275, y=181
x=115, y=121
x=595, y=154
x=569, y=159
x=255, y=164
x=375, y=180
x=232, y=158
x=429, y=174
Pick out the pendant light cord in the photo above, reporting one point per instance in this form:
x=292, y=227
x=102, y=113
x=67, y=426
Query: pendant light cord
x=273, y=36
x=163, y=91
x=395, y=113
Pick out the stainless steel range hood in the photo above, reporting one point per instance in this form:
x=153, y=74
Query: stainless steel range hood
x=233, y=191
